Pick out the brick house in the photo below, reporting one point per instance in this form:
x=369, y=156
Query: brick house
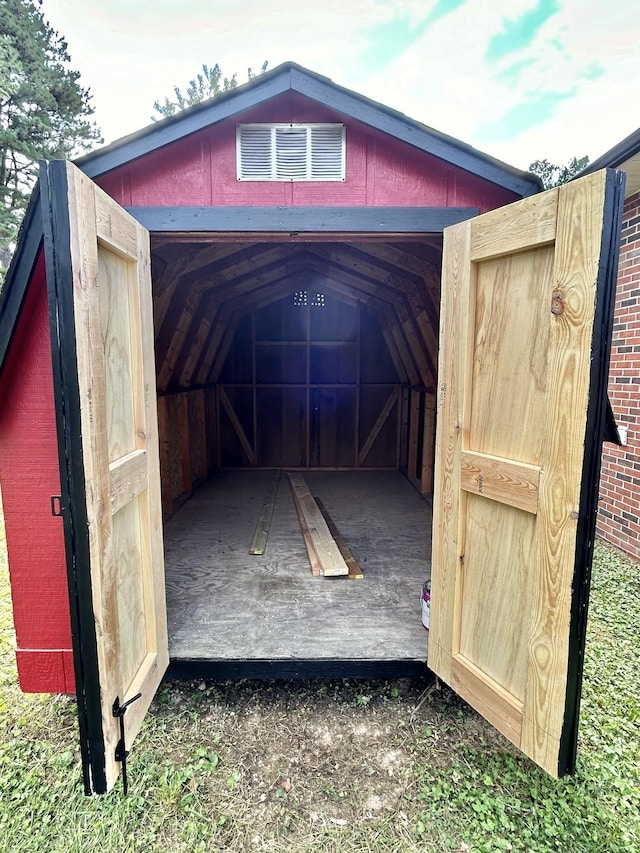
x=619, y=509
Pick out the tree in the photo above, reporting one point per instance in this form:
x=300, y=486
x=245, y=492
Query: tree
x=206, y=85
x=552, y=175
x=44, y=112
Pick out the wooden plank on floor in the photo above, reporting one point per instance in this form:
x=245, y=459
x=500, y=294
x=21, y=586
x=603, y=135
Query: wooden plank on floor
x=321, y=545
x=261, y=535
x=355, y=570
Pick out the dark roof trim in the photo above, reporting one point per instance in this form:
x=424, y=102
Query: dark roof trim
x=292, y=77
x=18, y=275
x=619, y=154
x=408, y=220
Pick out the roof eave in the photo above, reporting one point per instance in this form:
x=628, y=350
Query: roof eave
x=626, y=149
x=292, y=77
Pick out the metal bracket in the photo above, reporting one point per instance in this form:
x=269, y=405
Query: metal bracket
x=122, y=752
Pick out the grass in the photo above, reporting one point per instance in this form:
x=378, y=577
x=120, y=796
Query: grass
x=333, y=766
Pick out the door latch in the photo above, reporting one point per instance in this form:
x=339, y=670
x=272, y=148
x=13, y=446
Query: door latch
x=122, y=752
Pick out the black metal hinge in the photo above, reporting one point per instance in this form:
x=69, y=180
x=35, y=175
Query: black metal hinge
x=121, y=748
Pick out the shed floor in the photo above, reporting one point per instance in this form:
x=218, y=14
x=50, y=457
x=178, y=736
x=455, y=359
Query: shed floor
x=224, y=604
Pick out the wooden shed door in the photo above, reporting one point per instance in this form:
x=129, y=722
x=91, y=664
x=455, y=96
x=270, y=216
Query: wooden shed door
x=525, y=326
x=98, y=277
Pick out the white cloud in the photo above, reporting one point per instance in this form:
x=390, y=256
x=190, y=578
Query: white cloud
x=131, y=52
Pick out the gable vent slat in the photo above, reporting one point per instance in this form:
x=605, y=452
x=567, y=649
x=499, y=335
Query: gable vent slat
x=291, y=152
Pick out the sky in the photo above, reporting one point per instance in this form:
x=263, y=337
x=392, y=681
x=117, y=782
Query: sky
x=518, y=79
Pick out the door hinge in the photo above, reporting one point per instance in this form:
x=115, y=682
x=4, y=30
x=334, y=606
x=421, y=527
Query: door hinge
x=56, y=506
x=122, y=752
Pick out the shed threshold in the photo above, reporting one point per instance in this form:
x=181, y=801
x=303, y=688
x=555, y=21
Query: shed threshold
x=231, y=613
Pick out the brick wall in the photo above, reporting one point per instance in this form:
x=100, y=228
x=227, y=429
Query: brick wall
x=619, y=508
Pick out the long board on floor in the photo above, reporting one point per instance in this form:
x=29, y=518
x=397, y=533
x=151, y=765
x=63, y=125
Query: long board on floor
x=324, y=554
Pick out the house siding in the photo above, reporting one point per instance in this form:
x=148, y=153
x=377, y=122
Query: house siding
x=619, y=507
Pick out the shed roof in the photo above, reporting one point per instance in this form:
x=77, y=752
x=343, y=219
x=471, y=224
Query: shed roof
x=626, y=156
x=288, y=77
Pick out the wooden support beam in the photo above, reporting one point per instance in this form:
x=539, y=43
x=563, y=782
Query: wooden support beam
x=166, y=478
x=198, y=434
x=324, y=554
x=380, y=422
x=237, y=426
x=182, y=427
x=414, y=418
x=428, y=444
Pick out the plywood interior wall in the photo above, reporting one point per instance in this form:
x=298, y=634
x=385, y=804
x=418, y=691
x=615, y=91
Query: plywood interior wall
x=296, y=354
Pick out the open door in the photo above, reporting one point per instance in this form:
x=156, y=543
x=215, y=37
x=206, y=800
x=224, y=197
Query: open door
x=527, y=305
x=99, y=283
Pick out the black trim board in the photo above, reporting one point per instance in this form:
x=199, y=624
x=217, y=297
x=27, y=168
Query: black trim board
x=292, y=77
x=296, y=220
x=18, y=276
x=616, y=156
x=57, y=239
x=595, y=433
x=303, y=669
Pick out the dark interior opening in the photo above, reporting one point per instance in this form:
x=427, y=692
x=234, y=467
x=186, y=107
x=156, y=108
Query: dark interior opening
x=310, y=356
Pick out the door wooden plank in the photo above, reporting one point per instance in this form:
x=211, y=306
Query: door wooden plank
x=512, y=483
x=449, y=500
x=129, y=476
x=98, y=273
x=577, y=259
x=521, y=225
x=496, y=705
x=521, y=288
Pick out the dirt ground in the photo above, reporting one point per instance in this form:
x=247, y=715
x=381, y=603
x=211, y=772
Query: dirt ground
x=303, y=756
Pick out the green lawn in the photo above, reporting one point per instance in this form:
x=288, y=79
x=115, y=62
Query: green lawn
x=336, y=766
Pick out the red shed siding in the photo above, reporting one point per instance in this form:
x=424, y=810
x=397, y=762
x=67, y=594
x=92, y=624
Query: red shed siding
x=619, y=510
x=29, y=475
x=381, y=171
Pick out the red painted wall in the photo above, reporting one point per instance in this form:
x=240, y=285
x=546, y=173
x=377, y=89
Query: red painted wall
x=619, y=509
x=201, y=170
x=29, y=476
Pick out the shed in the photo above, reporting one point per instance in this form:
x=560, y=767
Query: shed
x=619, y=509
x=236, y=331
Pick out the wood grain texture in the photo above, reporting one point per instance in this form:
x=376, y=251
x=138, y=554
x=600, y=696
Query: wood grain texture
x=355, y=571
x=514, y=388
x=428, y=443
x=261, y=535
x=320, y=542
x=577, y=258
x=522, y=225
x=375, y=431
x=114, y=339
x=512, y=483
x=224, y=604
x=448, y=541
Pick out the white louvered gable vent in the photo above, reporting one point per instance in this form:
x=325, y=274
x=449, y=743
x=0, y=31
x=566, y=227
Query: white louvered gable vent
x=290, y=152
